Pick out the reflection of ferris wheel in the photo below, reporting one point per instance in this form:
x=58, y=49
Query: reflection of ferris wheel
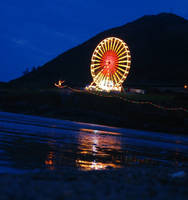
x=110, y=64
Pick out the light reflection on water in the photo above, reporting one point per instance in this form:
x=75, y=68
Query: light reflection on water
x=93, y=150
x=50, y=160
x=82, y=148
x=97, y=150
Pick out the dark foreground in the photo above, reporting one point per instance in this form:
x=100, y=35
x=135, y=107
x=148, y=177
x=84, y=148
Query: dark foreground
x=47, y=159
x=128, y=183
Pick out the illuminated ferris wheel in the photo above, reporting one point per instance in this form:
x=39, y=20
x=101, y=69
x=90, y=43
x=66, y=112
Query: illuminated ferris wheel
x=110, y=64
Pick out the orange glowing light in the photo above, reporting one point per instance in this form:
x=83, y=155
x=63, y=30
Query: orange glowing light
x=60, y=84
x=110, y=65
x=49, y=162
x=185, y=86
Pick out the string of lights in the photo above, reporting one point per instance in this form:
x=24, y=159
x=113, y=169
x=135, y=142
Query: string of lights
x=155, y=105
x=122, y=98
x=143, y=102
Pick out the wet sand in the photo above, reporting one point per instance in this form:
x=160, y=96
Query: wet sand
x=128, y=183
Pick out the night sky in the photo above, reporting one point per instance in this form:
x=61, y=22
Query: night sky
x=34, y=32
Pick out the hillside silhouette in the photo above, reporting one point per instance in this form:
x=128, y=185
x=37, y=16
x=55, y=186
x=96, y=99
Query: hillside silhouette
x=159, y=50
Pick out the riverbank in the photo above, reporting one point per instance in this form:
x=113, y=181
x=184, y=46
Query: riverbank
x=133, y=182
x=79, y=105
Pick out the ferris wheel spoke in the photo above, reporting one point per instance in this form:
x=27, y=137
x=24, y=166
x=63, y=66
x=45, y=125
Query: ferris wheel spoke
x=122, y=52
x=123, y=57
x=95, y=61
x=98, y=52
x=117, y=45
x=105, y=80
x=101, y=50
x=117, y=76
x=120, y=49
x=96, y=56
x=95, y=64
x=111, y=42
x=98, y=74
x=103, y=46
x=113, y=46
x=110, y=78
x=123, y=70
x=122, y=65
x=115, y=79
x=95, y=68
x=122, y=61
x=101, y=78
x=101, y=75
x=108, y=45
x=120, y=74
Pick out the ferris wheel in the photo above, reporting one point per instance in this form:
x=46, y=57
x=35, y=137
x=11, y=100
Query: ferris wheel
x=110, y=64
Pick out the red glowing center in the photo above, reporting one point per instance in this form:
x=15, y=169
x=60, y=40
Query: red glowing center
x=109, y=62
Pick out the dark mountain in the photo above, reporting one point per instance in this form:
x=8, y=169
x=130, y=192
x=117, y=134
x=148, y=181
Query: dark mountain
x=159, y=50
x=3, y=84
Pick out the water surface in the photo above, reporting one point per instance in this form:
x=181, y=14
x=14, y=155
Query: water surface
x=35, y=143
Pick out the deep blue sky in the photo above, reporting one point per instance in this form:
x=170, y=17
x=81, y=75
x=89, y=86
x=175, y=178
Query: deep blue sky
x=34, y=32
